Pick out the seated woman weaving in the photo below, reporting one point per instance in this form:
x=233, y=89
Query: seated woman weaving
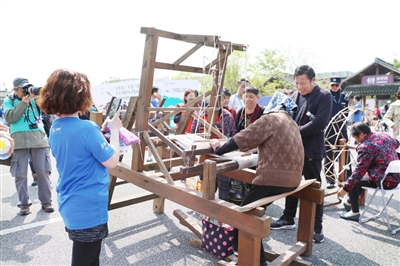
x=280, y=152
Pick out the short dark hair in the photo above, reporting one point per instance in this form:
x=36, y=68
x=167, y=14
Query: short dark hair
x=358, y=128
x=357, y=97
x=253, y=90
x=305, y=70
x=241, y=80
x=226, y=92
x=154, y=89
x=65, y=92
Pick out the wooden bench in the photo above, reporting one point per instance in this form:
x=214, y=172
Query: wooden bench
x=309, y=194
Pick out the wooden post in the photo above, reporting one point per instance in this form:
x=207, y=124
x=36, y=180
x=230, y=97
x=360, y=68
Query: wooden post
x=97, y=117
x=249, y=249
x=209, y=179
x=342, y=159
x=146, y=84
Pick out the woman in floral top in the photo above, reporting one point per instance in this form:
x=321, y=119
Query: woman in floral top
x=375, y=152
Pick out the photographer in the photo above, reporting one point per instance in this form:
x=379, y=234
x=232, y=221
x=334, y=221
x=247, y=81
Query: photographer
x=26, y=128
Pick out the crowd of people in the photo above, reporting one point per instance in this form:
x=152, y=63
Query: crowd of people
x=290, y=127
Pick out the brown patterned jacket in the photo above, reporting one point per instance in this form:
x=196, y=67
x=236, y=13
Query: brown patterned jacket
x=280, y=149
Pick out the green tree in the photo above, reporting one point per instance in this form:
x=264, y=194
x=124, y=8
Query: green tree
x=235, y=69
x=273, y=69
x=396, y=63
x=268, y=72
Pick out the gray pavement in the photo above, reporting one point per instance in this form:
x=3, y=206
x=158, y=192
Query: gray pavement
x=138, y=236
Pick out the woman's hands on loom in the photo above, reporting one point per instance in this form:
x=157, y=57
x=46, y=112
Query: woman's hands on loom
x=214, y=143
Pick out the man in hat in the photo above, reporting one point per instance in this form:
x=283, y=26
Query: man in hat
x=26, y=128
x=336, y=130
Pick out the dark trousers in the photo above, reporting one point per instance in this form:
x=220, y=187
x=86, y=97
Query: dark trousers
x=311, y=169
x=256, y=193
x=355, y=193
x=86, y=253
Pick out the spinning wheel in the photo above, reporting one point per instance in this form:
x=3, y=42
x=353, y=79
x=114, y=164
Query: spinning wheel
x=336, y=131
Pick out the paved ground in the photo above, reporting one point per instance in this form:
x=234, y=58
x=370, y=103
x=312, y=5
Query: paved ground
x=140, y=237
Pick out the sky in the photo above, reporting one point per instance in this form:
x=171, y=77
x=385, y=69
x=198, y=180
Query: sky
x=102, y=38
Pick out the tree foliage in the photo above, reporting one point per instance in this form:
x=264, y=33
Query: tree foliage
x=396, y=63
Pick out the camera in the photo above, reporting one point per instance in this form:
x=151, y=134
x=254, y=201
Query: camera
x=30, y=89
x=33, y=126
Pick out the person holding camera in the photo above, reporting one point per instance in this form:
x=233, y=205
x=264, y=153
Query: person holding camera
x=26, y=128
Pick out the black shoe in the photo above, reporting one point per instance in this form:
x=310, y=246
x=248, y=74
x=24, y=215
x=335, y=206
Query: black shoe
x=283, y=223
x=330, y=185
x=318, y=238
x=34, y=182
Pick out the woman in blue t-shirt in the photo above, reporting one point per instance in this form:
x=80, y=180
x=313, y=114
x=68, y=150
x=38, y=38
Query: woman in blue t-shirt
x=83, y=157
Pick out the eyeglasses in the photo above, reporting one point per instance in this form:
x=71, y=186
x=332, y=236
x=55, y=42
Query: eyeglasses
x=334, y=85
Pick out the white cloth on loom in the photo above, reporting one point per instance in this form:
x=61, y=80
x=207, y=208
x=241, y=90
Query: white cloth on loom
x=246, y=161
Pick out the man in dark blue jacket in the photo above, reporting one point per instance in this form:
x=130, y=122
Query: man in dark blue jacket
x=336, y=131
x=314, y=110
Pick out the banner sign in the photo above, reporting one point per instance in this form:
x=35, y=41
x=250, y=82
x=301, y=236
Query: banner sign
x=172, y=90
x=377, y=79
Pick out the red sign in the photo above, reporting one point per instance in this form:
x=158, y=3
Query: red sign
x=377, y=79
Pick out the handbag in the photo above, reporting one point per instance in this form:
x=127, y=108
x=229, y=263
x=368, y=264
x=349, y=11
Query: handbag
x=217, y=238
x=237, y=191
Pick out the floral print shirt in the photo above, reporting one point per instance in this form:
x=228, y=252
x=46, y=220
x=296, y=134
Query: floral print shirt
x=374, y=155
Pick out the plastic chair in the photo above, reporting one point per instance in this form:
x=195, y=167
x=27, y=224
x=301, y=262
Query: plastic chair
x=393, y=167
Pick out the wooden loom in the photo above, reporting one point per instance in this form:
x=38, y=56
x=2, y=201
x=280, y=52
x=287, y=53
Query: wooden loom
x=250, y=220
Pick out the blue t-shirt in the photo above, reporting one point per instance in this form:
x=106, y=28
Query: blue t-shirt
x=358, y=115
x=82, y=187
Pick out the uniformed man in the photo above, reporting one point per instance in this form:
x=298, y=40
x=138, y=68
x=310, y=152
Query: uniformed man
x=335, y=131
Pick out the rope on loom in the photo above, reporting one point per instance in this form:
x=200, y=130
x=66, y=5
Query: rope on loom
x=218, y=96
x=244, y=94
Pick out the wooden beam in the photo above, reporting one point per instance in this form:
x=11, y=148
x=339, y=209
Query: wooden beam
x=165, y=140
x=188, y=53
x=158, y=158
x=182, y=68
x=218, y=209
x=267, y=200
x=207, y=126
x=146, y=85
x=288, y=256
x=209, y=179
x=189, y=104
x=245, y=175
x=167, y=162
x=249, y=248
x=306, y=225
x=188, y=222
x=208, y=40
x=138, y=198
x=130, y=115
